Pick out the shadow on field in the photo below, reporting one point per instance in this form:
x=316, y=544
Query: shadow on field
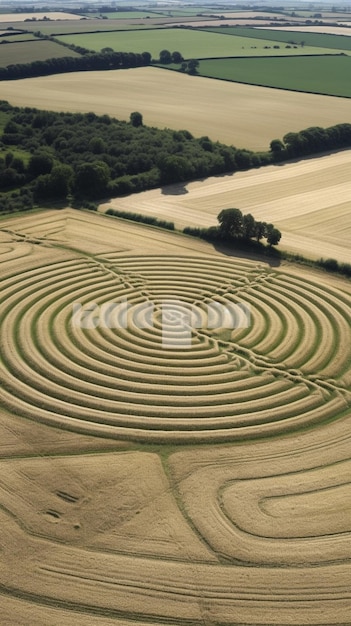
x=270, y=256
x=178, y=189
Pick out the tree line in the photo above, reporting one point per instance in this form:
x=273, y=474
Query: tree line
x=74, y=157
x=311, y=141
x=87, y=62
x=89, y=157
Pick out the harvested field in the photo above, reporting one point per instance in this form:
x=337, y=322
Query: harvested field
x=122, y=529
x=308, y=200
x=330, y=30
x=170, y=99
x=51, y=15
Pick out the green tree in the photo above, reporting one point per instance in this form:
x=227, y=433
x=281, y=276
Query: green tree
x=92, y=179
x=176, y=57
x=193, y=64
x=249, y=226
x=40, y=163
x=260, y=230
x=276, y=146
x=136, y=119
x=60, y=181
x=165, y=57
x=173, y=169
x=231, y=223
x=273, y=235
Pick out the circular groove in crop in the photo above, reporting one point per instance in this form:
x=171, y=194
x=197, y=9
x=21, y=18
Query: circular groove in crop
x=174, y=373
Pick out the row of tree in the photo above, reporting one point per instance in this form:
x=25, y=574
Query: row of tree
x=52, y=156
x=87, y=62
x=310, y=141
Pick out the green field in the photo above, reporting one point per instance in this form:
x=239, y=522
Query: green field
x=323, y=75
x=131, y=15
x=9, y=38
x=191, y=43
x=26, y=52
x=318, y=40
x=84, y=26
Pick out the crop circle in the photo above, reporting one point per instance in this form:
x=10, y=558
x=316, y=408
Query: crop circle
x=135, y=369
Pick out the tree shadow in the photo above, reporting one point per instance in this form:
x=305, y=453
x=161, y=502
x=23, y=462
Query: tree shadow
x=178, y=189
x=271, y=256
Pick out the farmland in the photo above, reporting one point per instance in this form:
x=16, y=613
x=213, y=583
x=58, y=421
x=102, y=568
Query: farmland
x=332, y=42
x=324, y=75
x=174, y=100
x=175, y=414
x=309, y=201
x=191, y=43
x=134, y=510
x=28, y=51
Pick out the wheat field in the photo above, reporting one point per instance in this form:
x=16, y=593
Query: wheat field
x=245, y=116
x=308, y=200
x=165, y=469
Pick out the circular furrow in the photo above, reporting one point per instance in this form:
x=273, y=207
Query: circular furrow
x=158, y=368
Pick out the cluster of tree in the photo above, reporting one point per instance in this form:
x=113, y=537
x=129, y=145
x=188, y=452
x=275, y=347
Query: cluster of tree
x=310, y=141
x=190, y=67
x=234, y=226
x=91, y=61
x=166, y=57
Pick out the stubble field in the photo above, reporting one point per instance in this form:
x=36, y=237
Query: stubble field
x=107, y=517
x=224, y=111
x=308, y=200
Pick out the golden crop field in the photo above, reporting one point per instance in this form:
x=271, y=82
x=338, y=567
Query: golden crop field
x=308, y=200
x=223, y=111
x=331, y=30
x=164, y=463
x=34, y=16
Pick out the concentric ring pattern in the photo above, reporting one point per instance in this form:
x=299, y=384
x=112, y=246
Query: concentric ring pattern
x=181, y=373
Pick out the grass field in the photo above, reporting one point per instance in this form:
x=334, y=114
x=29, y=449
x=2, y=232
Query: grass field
x=317, y=40
x=191, y=43
x=15, y=38
x=133, y=527
x=324, y=75
x=28, y=51
x=86, y=25
x=224, y=111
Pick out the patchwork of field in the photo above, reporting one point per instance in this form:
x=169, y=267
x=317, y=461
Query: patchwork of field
x=299, y=37
x=191, y=43
x=224, y=111
x=308, y=200
x=93, y=24
x=106, y=519
x=319, y=75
